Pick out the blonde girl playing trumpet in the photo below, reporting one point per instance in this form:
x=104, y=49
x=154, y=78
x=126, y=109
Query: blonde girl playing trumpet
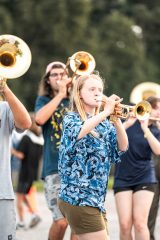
x=89, y=144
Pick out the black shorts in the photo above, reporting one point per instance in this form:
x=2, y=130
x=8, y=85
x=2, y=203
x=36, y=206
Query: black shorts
x=24, y=187
x=136, y=188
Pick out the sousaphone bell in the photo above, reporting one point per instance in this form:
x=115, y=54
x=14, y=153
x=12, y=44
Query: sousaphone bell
x=15, y=57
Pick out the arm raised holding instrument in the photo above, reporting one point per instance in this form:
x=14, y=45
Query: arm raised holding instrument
x=21, y=116
x=55, y=82
x=51, y=105
x=89, y=144
x=134, y=176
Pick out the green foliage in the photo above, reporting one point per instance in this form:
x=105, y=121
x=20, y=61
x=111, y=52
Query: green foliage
x=110, y=182
x=39, y=186
x=6, y=23
x=121, y=54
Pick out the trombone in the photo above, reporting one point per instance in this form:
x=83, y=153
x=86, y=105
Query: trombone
x=154, y=119
x=15, y=58
x=80, y=63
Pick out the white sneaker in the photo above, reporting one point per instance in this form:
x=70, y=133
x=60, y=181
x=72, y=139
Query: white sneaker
x=35, y=220
x=20, y=226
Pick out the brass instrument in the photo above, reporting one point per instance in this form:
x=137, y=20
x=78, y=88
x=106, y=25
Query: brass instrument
x=144, y=90
x=154, y=119
x=15, y=58
x=81, y=63
x=141, y=111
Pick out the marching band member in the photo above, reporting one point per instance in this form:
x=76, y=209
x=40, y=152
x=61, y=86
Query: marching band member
x=135, y=175
x=89, y=144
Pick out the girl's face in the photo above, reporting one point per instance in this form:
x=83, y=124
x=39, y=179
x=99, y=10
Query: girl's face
x=91, y=93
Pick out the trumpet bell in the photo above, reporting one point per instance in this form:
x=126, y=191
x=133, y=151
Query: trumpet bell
x=15, y=56
x=82, y=63
x=142, y=110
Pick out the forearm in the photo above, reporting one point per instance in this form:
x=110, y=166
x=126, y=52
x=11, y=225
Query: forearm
x=122, y=138
x=46, y=111
x=153, y=142
x=91, y=123
x=17, y=154
x=21, y=116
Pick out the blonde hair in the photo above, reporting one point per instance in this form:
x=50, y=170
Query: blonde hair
x=76, y=102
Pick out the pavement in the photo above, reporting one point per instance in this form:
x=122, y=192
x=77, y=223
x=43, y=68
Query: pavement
x=40, y=232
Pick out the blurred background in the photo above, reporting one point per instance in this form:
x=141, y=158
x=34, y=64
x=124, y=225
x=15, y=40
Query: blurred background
x=123, y=36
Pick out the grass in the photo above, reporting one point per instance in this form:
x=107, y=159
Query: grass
x=40, y=184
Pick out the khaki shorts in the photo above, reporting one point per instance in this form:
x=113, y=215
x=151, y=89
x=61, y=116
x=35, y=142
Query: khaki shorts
x=83, y=219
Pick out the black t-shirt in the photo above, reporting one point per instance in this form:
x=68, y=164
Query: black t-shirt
x=30, y=163
x=136, y=166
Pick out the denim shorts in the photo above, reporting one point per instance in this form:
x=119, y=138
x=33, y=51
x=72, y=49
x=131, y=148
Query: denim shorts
x=51, y=188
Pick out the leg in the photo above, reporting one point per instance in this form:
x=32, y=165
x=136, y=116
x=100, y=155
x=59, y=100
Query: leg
x=125, y=216
x=59, y=225
x=142, y=201
x=74, y=236
x=20, y=209
x=57, y=229
x=100, y=235
x=154, y=211
x=27, y=203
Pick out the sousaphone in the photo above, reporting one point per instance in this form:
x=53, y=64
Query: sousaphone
x=15, y=57
x=144, y=90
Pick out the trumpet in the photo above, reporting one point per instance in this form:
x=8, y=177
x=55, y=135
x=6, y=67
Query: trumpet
x=141, y=111
x=154, y=119
x=15, y=58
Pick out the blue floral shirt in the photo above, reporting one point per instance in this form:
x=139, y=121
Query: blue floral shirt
x=84, y=164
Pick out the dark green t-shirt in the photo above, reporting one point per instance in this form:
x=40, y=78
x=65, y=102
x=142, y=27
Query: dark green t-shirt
x=52, y=133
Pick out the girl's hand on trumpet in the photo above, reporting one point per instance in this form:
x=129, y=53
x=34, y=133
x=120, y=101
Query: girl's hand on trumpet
x=111, y=104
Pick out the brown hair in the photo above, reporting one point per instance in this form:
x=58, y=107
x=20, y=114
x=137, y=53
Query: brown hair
x=153, y=101
x=44, y=87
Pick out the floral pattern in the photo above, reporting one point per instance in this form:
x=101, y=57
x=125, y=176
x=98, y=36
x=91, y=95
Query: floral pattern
x=56, y=122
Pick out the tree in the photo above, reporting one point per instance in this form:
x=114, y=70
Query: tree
x=121, y=54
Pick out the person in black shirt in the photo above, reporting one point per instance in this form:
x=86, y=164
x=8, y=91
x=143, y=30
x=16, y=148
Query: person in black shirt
x=135, y=178
x=29, y=151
